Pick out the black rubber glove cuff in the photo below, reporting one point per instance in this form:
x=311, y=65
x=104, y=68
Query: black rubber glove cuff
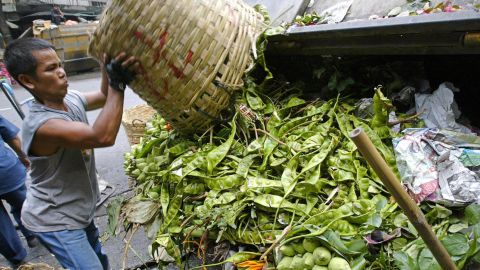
x=118, y=76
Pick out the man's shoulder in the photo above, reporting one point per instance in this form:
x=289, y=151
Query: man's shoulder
x=76, y=97
x=38, y=115
x=73, y=93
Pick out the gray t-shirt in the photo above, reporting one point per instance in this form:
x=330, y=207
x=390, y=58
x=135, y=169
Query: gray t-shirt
x=63, y=190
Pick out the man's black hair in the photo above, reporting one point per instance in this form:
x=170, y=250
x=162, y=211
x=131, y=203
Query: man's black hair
x=19, y=58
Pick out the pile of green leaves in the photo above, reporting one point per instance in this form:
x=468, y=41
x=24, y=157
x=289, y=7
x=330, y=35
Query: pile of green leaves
x=281, y=162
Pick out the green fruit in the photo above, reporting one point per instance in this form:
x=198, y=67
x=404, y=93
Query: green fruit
x=318, y=267
x=308, y=260
x=287, y=250
x=309, y=244
x=322, y=256
x=297, y=263
x=298, y=247
x=338, y=263
x=285, y=263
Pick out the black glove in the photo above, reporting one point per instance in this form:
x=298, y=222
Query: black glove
x=118, y=76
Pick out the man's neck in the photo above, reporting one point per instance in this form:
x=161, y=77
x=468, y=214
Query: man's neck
x=56, y=105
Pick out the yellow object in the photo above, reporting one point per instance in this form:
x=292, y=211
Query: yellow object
x=251, y=265
x=40, y=25
x=71, y=42
x=472, y=39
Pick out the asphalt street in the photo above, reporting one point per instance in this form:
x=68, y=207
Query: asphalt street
x=110, y=168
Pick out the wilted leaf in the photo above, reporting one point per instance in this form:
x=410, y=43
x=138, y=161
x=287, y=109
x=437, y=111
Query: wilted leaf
x=113, y=210
x=152, y=228
x=137, y=211
x=164, y=249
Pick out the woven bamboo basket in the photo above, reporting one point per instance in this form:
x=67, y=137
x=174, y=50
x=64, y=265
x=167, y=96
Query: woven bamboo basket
x=135, y=120
x=193, y=53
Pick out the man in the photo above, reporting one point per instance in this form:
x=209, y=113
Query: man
x=61, y=201
x=57, y=15
x=12, y=189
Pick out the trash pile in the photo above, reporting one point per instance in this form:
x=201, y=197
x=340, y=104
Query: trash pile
x=281, y=185
x=282, y=166
x=440, y=166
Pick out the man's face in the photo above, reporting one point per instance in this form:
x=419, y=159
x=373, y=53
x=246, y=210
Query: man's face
x=50, y=82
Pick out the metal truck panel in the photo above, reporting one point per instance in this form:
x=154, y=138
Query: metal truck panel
x=71, y=43
x=439, y=33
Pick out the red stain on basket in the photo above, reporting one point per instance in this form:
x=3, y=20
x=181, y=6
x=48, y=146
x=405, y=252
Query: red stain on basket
x=138, y=34
x=188, y=59
x=148, y=82
x=177, y=72
x=163, y=38
x=157, y=53
x=160, y=54
x=156, y=57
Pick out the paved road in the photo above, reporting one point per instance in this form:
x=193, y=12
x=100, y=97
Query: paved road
x=110, y=167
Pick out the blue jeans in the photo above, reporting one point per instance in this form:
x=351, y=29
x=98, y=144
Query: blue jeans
x=76, y=249
x=16, y=198
x=11, y=247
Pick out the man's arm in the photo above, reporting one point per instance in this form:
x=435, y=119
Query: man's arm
x=16, y=145
x=8, y=132
x=56, y=133
x=97, y=99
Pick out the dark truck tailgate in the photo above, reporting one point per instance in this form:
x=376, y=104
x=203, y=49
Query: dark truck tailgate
x=439, y=33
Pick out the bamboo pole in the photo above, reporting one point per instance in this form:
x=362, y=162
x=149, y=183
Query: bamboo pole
x=413, y=212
